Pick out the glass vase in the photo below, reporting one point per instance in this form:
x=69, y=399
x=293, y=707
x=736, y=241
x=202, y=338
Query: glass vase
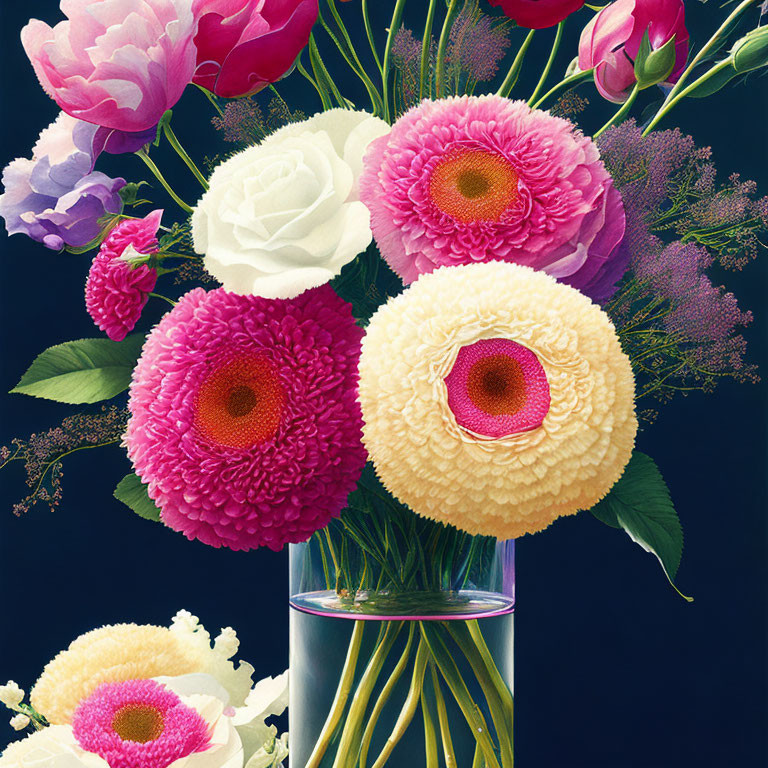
x=401, y=645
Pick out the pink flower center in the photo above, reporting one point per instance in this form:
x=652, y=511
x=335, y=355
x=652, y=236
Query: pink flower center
x=473, y=185
x=497, y=388
x=240, y=404
x=138, y=722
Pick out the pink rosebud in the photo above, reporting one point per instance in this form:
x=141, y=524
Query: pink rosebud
x=116, y=291
x=242, y=45
x=611, y=41
x=116, y=63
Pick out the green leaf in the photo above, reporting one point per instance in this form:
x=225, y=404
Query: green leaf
x=82, y=371
x=133, y=493
x=640, y=504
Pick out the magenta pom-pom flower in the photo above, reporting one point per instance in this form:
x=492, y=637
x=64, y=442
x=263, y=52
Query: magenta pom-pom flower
x=138, y=724
x=116, y=290
x=244, y=421
x=474, y=179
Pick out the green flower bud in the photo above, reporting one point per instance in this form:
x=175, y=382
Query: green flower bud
x=751, y=52
x=654, y=67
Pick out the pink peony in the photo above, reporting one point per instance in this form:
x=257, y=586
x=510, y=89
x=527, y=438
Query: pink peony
x=242, y=45
x=611, y=41
x=138, y=724
x=244, y=418
x=114, y=63
x=471, y=179
x=116, y=291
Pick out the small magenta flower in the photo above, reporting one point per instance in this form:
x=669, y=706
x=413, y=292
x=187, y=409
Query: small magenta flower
x=243, y=45
x=139, y=724
x=611, y=41
x=116, y=290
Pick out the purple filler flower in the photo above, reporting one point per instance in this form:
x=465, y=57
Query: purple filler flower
x=56, y=197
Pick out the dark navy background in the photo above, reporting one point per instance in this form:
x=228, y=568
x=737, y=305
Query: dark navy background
x=614, y=670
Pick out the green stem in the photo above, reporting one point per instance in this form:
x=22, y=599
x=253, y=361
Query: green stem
x=347, y=50
x=164, y=298
x=397, y=17
x=442, y=46
x=621, y=113
x=498, y=681
x=351, y=736
x=430, y=733
x=425, y=79
x=386, y=692
x=517, y=65
x=478, y=761
x=322, y=75
x=212, y=98
x=182, y=153
x=501, y=713
x=548, y=68
x=321, y=93
x=570, y=80
x=453, y=677
x=409, y=707
x=445, y=727
x=159, y=176
x=670, y=104
x=710, y=44
x=369, y=34
x=340, y=700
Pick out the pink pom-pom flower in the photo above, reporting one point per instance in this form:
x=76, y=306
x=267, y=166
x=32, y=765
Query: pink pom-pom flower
x=244, y=420
x=116, y=291
x=475, y=179
x=139, y=724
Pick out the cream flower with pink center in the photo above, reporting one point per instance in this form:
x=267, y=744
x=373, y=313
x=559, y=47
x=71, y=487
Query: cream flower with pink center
x=474, y=179
x=495, y=399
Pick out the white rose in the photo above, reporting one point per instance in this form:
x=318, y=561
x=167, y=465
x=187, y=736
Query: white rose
x=285, y=215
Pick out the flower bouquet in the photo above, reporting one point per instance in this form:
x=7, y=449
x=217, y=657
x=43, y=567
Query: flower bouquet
x=397, y=335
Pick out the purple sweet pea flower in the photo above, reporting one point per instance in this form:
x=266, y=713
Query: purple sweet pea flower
x=56, y=197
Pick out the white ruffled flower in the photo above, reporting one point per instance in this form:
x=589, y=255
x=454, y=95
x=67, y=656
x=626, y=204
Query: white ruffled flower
x=20, y=722
x=11, y=695
x=268, y=698
x=285, y=216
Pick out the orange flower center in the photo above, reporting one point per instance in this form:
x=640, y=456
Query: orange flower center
x=496, y=385
x=474, y=185
x=240, y=404
x=138, y=722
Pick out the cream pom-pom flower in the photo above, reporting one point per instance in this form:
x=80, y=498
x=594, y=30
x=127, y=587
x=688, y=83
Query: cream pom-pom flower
x=496, y=399
x=285, y=215
x=122, y=652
